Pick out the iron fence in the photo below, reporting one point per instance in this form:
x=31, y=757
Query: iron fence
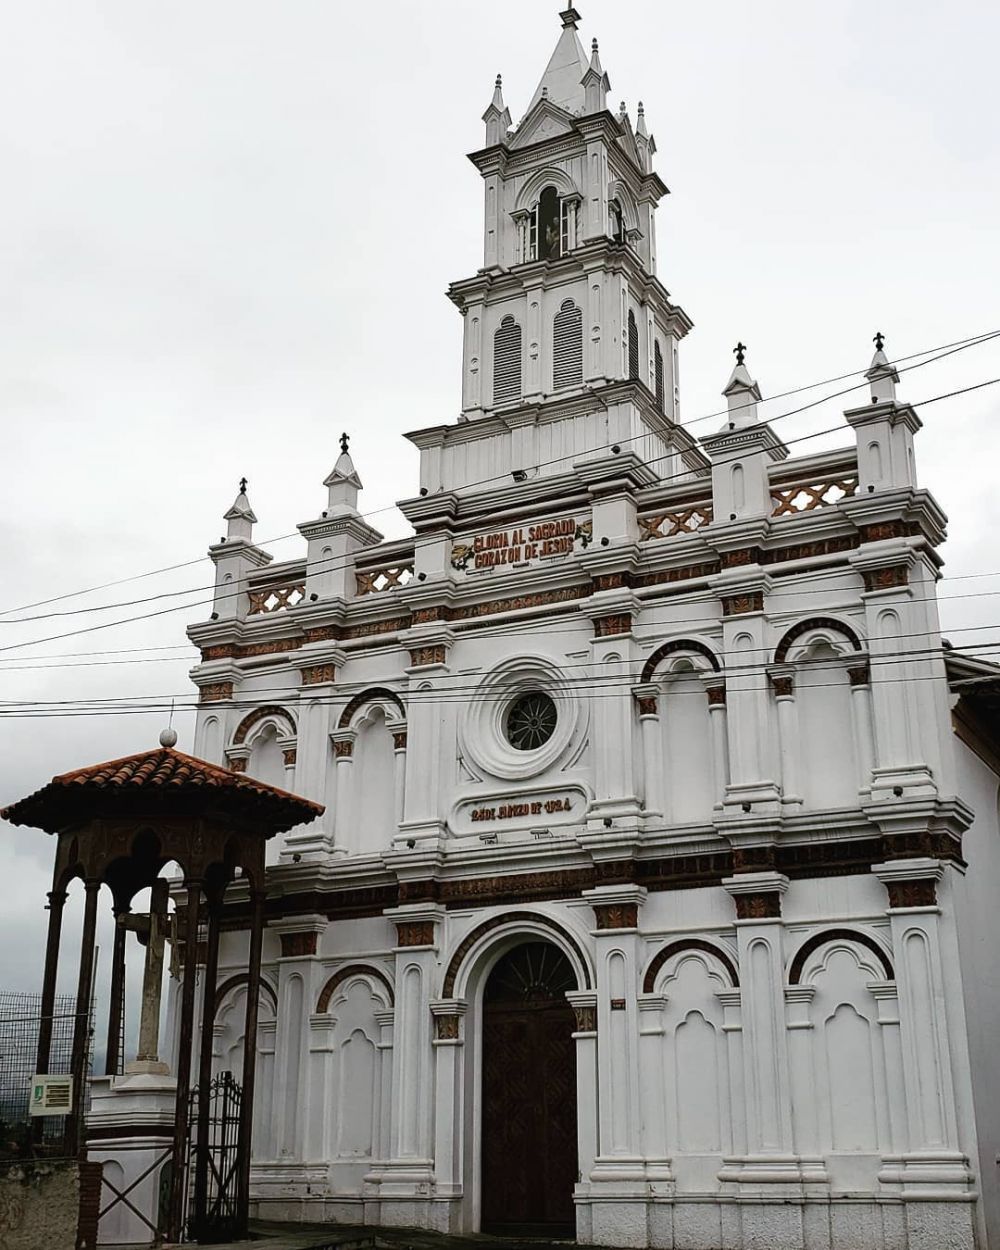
x=20, y=1017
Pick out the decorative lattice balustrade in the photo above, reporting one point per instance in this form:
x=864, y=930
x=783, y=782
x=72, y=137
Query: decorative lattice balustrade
x=790, y=498
x=668, y=524
x=275, y=598
x=376, y=580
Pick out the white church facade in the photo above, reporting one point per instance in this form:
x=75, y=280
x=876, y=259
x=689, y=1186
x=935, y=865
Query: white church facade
x=654, y=903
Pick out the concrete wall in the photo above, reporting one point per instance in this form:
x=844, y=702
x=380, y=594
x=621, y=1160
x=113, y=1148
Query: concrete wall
x=39, y=1205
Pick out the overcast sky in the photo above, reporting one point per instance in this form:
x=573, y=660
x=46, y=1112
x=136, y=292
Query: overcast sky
x=225, y=233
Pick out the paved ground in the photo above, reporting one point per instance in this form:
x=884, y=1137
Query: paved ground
x=271, y=1236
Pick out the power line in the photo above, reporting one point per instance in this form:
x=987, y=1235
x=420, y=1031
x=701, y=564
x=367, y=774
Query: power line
x=944, y=350
x=343, y=563
x=462, y=693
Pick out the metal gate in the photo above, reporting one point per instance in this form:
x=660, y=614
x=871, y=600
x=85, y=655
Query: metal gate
x=212, y=1215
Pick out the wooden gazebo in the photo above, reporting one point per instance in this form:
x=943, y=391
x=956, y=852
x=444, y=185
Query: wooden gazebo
x=119, y=823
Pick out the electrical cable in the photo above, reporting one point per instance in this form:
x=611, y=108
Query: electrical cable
x=944, y=350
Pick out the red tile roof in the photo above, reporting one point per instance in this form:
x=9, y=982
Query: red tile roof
x=158, y=781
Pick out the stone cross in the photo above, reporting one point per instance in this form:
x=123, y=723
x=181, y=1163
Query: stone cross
x=151, y=931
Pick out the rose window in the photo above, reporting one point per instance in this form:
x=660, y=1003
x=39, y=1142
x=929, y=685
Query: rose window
x=531, y=721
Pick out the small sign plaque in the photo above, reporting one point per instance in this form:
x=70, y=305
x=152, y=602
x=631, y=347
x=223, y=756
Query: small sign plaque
x=522, y=544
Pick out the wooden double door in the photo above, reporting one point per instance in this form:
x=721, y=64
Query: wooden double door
x=529, y=1139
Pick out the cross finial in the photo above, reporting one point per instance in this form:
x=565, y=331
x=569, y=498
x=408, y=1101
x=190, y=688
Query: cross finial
x=243, y=486
x=344, y=440
x=570, y=18
x=878, y=340
x=740, y=351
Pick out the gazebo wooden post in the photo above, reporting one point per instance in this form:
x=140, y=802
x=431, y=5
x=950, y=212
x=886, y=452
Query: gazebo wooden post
x=57, y=901
x=116, y=1007
x=84, y=1002
x=250, y=1049
x=205, y=1064
x=184, y=1046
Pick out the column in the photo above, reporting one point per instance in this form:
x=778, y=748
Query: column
x=653, y=763
x=654, y=1144
x=613, y=654
x=184, y=1046
x=448, y=1100
x=257, y=898
x=535, y=354
x=932, y=1164
x=618, y=1180
x=116, y=1004
x=584, y=1004
x=84, y=1006
x=406, y=1176
x=57, y=901
x=747, y=705
x=783, y=685
x=770, y=1157
x=716, y=691
x=802, y=1080
x=385, y=1021
x=399, y=771
x=344, y=833
x=860, y=678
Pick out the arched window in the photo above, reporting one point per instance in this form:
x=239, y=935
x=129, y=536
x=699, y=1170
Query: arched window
x=507, y=362
x=658, y=369
x=633, y=347
x=616, y=221
x=567, y=347
x=548, y=231
x=548, y=228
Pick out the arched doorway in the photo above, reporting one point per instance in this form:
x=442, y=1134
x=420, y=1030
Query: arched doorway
x=529, y=1141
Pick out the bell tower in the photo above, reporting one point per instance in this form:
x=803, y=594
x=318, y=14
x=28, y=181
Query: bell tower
x=568, y=300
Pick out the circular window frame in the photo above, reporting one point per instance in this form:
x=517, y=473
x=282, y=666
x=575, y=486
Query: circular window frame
x=483, y=730
x=512, y=706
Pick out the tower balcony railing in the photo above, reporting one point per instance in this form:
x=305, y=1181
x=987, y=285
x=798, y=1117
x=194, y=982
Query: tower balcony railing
x=277, y=590
x=684, y=519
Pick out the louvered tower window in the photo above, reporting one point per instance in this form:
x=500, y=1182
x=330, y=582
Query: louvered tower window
x=633, y=348
x=507, y=362
x=658, y=367
x=567, y=347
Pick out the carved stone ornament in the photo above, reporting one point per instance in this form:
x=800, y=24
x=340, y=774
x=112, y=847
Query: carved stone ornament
x=784, y=687
x=886, y=579
x=646, y=704
x=428, y=616
x=586, y=1019
x=415, y=933
x=319, y=674
x=763, y=906
x=617, y=915
x=860, y=675
x=919, y=893
x=740, y=605
x=611, y=626
x=399, y=741
x=882, y=530
x=423, y=656
x=446, y=1028
x=238, y=766
x=343, y=750
x=716, y=696
x=290, y=757
x=741, y=558
x=618, y=1004
x=216, y=692
x=297, y=945
x=612, y=581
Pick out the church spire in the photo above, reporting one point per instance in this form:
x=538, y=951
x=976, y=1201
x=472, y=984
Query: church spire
x=742, y=393
x=882, y=374
x=240, y=516
x=343, y=482
x=596, y=84
x=562, y=82
x=497, y=116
